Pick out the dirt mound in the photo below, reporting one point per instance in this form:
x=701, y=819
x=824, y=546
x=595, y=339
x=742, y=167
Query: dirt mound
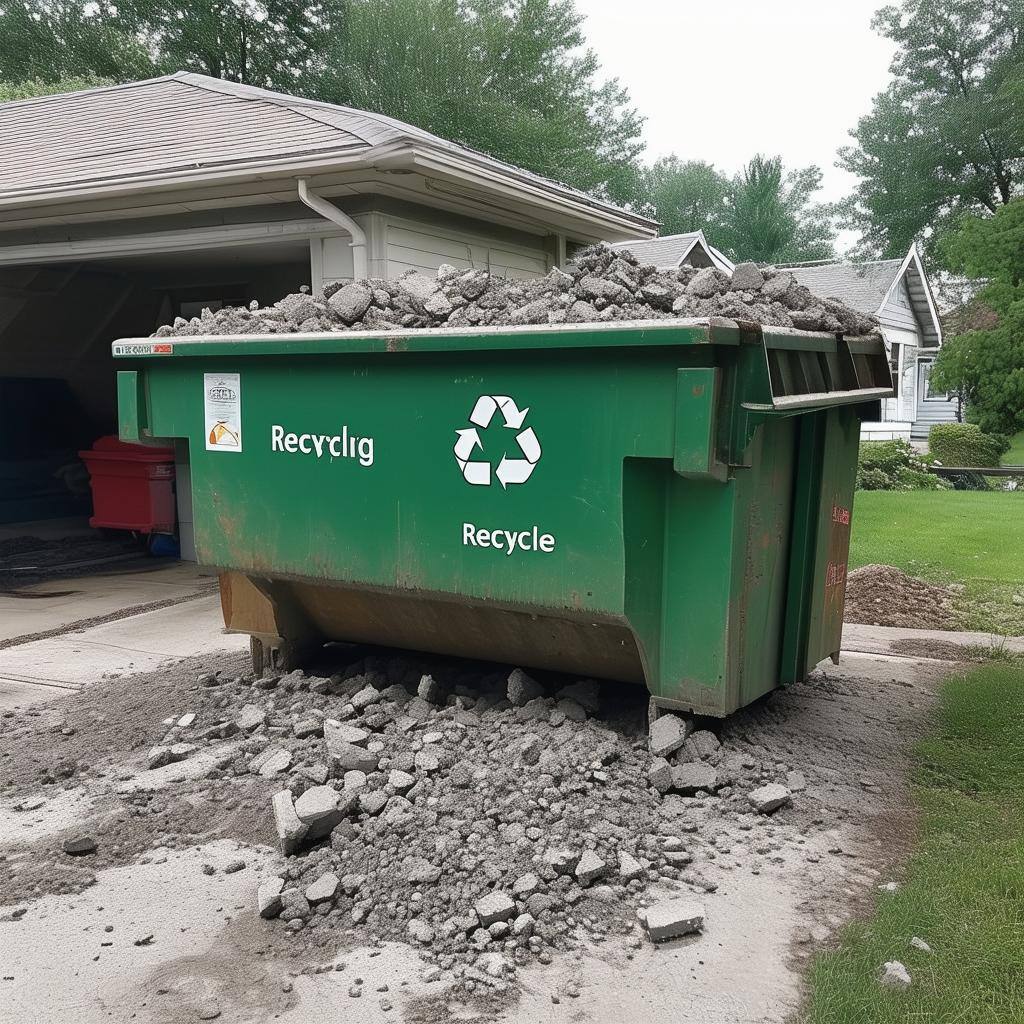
x=880, y=595
x=601, y=286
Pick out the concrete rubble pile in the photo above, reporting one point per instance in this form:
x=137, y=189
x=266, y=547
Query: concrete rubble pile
x=602, y=286
x=487, y=820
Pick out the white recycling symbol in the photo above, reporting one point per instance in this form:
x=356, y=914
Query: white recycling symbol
x=508, y=471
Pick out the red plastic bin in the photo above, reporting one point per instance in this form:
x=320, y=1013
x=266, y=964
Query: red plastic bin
x=132, y=486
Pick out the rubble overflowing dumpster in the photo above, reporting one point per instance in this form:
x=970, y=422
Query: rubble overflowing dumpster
x=662, y=502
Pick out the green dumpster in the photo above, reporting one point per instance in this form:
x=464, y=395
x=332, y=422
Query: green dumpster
x=662, y=502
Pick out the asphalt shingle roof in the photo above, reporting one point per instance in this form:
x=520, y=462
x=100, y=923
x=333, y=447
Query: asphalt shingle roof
x=862, y=286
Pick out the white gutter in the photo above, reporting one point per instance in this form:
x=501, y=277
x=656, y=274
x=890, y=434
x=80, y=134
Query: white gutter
x=330, y=212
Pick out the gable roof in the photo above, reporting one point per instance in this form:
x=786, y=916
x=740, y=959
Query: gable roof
x=671, y=251
x=867, y=287
x=186, y=128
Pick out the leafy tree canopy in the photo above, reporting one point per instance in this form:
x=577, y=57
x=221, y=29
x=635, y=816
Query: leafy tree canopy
x=947, y=136
x=985, y=368
x=764, y=213
x=513, y=79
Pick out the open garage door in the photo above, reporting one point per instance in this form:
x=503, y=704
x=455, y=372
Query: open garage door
x=57, y=377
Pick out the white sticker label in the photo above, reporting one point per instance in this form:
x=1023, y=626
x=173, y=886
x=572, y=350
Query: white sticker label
x=222, y=403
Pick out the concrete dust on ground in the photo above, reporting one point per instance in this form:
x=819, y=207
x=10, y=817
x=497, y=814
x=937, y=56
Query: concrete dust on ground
x=774, y=887
x=881, y=595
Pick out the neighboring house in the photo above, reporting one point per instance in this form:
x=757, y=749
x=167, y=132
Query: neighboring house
x=673, y=251
x=897, y=292
x=124, y=207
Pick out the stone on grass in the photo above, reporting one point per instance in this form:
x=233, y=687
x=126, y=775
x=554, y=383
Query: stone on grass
x=920, y=944
x=291, y=831
x=670, y=919
x=894, y=975
x=668, y=733
x=522, y=689
x=495, y=906
x=767, y=799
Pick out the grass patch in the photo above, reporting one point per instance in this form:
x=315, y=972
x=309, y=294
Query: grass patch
x=1015, y=456
x=963, y=889
x=971, y=537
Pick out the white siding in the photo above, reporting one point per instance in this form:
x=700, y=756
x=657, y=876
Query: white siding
x=897, y=311
x=424, y=247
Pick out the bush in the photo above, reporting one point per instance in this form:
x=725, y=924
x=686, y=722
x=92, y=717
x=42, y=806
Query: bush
x=965, y=444
x=894, y=466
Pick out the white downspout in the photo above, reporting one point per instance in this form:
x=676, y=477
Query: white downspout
x=330, y=212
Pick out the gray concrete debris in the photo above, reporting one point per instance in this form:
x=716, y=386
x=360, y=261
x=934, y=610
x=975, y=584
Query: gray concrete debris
x=694, y=776
x=495, y=906
x=522, y=689
x=268, y=897
x=420, y=931
x=895, y=975
x=629, y=867
x=671, y=919
x=667, y=733
x=430, y=690
x=561, y=862
x=746, y=277
x=702, y=745
x=586, y=693
x=250, y=717
x=767, y=799
x=79, y=846
x=796, y=782
x=336, y=732
x=290, y=829
x=322, y=808
x=601, y=286
x=920, y=944
x=660, y=775
x=589, y=868
x=347, y=757
x=322, y=889
x=278, y=761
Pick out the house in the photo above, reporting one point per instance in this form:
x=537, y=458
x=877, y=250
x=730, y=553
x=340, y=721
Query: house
x=673, y=251
x=124, y=207
x=897, y=292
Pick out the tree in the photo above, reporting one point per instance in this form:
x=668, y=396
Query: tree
x=985, y=368
x=27, y=90
x=513, y=79
x=764, y=213
x=947, y=136
x=686, y=195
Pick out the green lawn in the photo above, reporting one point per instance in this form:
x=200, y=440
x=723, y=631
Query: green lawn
x=962, y=890
x=970, y=537
x=1015, y=456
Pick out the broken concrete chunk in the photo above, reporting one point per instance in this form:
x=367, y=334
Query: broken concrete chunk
x=278, y=761
x=673, y=918
x=427, y=761
x=659, y=775
x=306, y=727
x=769, y=798
x=336, y=732
x=321, y=808
x=920, y=944
x=250, y=717
x=347, y=757
x=420, y=931
x=268, y=897
x=526, y=885
x=629, y=867
x=373, y=802
x=894, y=975
x=586, y=693
x=400, y=781
x=290, y=829
x=531, y=749
x=350, y=302
x=746, y=277
x=495, y=906
x=364, y=698
x=589, y=868
x=323, y=888
x=701, y=745
x=562, y=862
x=79, y=846
x=522, y=689
x=692, y=776
x=668, y=733
x=429, y=690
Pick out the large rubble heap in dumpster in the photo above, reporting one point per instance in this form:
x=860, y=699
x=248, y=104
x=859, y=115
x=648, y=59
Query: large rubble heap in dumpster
x=601, y=286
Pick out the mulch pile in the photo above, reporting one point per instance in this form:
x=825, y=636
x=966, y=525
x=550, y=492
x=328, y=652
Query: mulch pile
x=879, y=595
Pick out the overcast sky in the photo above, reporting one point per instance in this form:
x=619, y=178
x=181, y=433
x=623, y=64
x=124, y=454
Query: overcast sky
x=720, y=80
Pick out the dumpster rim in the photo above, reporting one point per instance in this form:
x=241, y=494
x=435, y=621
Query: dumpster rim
x=623, y=333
